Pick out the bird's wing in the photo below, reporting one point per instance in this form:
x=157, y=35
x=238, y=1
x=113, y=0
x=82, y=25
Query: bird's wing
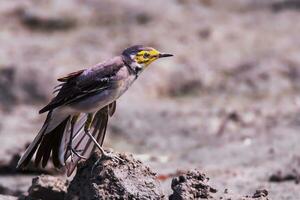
x=84, y=83
x=82, y=143
x=70, y=76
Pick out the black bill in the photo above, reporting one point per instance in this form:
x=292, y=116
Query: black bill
x=162, y=55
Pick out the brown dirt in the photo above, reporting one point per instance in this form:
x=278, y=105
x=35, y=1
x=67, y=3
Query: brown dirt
x=115, y=180
x=47, y=188
x=126, y=179
x=192, y=185
x=195, y=185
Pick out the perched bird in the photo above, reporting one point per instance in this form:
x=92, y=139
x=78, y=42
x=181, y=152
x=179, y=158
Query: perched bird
x=78, y=115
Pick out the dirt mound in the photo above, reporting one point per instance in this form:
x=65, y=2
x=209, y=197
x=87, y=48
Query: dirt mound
x=47, y=187
x=260, y=194
x=192, y=185
x=114, y=179
x=125, y=179
x=195, y=185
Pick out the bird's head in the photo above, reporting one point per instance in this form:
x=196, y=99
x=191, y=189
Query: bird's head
x=139, y=57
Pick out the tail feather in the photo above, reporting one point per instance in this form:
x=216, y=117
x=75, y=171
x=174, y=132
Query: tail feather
x=58, y=153
x=44, y=143
x=51, y=143
x=26, y=157
x=46, y=155
x=41, y=150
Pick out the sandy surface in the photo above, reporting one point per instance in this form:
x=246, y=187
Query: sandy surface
x=227, y=103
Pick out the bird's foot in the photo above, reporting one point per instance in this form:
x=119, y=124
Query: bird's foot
x=109, y=155
x=105, y=156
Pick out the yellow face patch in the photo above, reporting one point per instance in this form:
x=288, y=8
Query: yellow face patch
x=146, y=57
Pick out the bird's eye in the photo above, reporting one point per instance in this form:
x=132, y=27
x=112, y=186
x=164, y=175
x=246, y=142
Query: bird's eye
x=146, y=55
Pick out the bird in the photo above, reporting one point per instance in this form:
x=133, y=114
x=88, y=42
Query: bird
x=77, y=116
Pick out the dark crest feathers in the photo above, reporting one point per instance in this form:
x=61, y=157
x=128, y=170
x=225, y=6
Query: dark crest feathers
x=133, y=50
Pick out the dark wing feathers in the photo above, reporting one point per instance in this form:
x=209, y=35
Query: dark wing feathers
x=84, y=83
x=70, y=76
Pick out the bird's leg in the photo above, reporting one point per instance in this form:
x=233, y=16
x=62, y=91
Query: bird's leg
x=73, y=151
x=87, y=131
x=87, y=127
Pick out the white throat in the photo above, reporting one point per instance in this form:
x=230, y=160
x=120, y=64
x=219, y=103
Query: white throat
x=138, y=68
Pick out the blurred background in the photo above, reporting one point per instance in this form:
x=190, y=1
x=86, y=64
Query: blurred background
x=228, y=103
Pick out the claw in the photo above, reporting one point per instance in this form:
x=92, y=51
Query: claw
x=104, y=156
x=111, y=156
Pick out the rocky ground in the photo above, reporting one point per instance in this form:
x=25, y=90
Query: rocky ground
x=127, y=178
x=227, y=104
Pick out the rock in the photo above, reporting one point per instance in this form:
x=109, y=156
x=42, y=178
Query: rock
x=48, y=187
x=114, y=179
x=260, y=193
x=192, y=185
